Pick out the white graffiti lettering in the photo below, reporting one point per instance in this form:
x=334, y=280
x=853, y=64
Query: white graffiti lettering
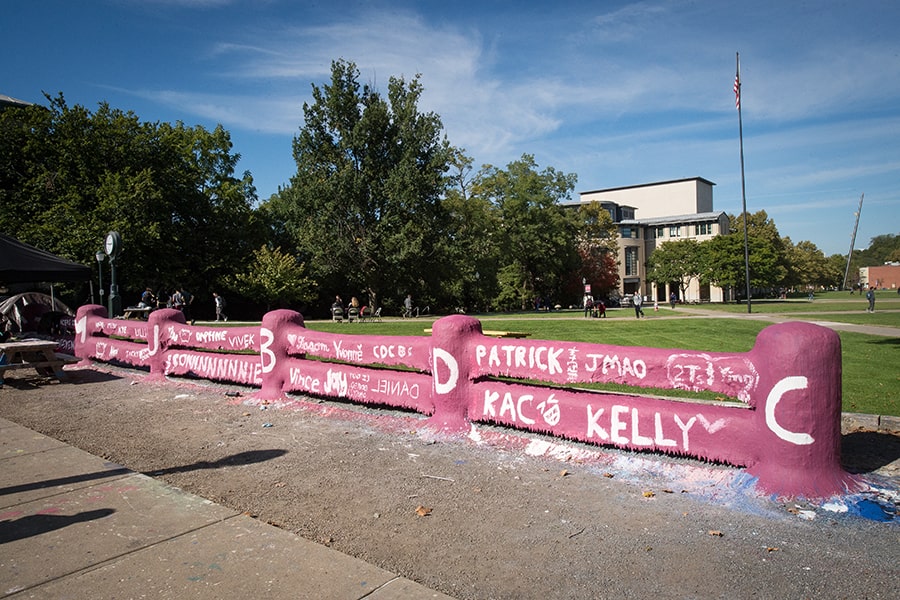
x=347, y=353
x=550, y=410
x=685, y=428
x=245, y=340
x=382, y=351
x=335, y=383
x=215, y=367
x=572, y=365
x=266, y=356
x=623, y=368
x=513, y=408
x=444, y=387
x=312, y=347
x=543, y=358
x=618, y=426
x=788, y=384
x=397, y=388
x=697, y=372
x=304, y=382
x=210, y=336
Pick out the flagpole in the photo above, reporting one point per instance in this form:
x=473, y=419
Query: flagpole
x=737, y=97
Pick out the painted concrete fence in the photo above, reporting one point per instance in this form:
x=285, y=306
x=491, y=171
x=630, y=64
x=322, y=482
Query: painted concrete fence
x=781, y=423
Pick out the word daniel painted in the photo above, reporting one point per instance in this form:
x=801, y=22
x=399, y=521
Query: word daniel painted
x=783, y=424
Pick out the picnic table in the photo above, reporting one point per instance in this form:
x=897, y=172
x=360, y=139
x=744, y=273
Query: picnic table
x=39, y=355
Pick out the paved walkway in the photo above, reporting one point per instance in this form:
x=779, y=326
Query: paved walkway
x=75, y=526
x=819, y=318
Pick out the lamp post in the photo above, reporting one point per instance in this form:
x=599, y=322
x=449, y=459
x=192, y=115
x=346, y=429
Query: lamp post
x=100, y=256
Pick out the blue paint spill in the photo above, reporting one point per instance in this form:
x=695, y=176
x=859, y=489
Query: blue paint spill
x=872, y=510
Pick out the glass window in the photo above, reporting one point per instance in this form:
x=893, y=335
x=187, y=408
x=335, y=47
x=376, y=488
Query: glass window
x=674, y=231
x=631, y=261
x=660, y=232
x=703, y=229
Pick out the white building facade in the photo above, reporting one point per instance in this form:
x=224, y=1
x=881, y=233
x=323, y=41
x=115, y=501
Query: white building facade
x=652, y=214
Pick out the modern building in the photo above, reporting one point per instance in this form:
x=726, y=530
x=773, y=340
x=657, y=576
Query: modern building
x=651, y=214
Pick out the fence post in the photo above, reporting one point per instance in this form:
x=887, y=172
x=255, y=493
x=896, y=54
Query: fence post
x=83, y=344
x=158, y=338
x=799, y=411
x=273, y=351
x=451, y=347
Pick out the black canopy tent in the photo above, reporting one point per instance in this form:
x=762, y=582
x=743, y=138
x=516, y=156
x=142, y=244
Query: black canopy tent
x=21, y=263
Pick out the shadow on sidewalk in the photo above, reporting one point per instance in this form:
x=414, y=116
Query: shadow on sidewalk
x=241, y=458
x=32, y=525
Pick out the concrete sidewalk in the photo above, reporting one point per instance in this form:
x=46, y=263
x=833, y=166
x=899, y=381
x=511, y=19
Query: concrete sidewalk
x=75, y=526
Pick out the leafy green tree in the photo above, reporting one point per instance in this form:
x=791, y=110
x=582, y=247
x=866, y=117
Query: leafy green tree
x=679, y=261
x=364, y=208
x=538, y=237
x=882, y=248
x=471, y=245
x=274, y=278
x=724, y=255
x=807, y=266
x=169, y=190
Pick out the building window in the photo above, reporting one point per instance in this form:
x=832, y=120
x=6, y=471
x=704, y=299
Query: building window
x=660, y=232
x=631, y=261
x=674, y=231
x=703, y=229
x=628, y=232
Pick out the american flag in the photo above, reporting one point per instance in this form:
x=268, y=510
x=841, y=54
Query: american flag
x=737, y=91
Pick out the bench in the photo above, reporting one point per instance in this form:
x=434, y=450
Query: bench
x=39, y=355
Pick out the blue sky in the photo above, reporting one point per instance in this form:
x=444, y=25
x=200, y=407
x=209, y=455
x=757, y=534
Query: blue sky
x=619, y=93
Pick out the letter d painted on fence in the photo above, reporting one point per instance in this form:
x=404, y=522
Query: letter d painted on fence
x=453, y=339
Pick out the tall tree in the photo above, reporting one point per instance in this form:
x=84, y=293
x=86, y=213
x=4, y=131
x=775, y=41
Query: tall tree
x=169, y=190
x=471, y=245
x=364, y=207
x=538, y=236
x=807, y=266
x=724, y=255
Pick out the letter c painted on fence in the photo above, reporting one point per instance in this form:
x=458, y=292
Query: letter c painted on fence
x=448, y=386
x=780, y=389
x=266, y=356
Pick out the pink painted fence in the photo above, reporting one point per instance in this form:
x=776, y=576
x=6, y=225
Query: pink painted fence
x=784, y=427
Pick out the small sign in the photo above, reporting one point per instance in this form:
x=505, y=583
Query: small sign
x=587, y=288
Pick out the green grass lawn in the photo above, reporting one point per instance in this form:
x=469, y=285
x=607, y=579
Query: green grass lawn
x=870, y=364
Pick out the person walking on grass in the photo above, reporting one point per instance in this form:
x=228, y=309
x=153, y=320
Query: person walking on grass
x=637, y=301
x=870, y=296
x=220, y=307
